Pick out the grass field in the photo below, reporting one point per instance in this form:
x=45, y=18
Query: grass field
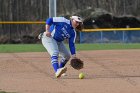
x=6, y=92
x=4, y=48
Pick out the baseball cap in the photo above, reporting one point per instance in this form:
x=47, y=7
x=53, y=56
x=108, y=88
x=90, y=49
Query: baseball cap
x=76, y=18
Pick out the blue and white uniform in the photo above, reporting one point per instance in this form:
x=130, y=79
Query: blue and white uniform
x=61, y=29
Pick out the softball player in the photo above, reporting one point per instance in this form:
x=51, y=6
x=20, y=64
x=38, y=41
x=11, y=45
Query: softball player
x=57, y=30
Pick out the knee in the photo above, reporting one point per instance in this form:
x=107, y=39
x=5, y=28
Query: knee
x=54, y=54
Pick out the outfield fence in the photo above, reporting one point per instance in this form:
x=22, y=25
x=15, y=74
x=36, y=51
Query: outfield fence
x=27, y=31
x=110, y=35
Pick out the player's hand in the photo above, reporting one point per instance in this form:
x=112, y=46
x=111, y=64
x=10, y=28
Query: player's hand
x=74, y=56
x=48, y=34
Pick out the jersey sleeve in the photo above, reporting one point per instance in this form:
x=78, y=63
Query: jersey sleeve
x=49, y=21
x=72, y=43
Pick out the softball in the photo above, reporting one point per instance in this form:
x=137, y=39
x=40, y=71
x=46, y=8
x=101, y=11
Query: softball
x=81, y=75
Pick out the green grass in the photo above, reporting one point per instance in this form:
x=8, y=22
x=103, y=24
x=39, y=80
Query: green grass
x=7, y=48
x=107, y=46
x=21, y=48
x=6, y=92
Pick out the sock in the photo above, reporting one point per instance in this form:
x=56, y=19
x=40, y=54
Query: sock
x=54, y=61
x=55, y=66
x=63, y=62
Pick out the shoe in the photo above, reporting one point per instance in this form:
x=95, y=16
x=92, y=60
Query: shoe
x=60, y=71
x=64, y=74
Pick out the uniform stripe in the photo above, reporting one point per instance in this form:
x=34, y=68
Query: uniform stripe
x=53, y=32
x=53, y=62
x=74, y=36
x=54, y=59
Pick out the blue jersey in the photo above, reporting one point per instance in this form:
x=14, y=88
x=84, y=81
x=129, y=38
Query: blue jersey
x=61, y=29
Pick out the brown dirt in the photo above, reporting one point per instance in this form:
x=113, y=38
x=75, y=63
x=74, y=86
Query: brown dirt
x=106, y=71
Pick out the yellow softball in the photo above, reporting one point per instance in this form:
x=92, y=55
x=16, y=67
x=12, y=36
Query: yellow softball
x=81, y=76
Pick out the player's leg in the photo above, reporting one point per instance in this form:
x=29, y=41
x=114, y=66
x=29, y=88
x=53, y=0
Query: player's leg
x=64, y=53
x=51, y=46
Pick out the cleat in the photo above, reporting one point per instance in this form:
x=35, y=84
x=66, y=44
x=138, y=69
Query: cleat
x=60, y=71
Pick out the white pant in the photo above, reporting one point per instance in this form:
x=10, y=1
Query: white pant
x=55, y=48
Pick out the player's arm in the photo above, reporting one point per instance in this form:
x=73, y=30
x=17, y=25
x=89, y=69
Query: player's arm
x=72, y=45
x=72, y=49
x=49, y=22
x=48, y=33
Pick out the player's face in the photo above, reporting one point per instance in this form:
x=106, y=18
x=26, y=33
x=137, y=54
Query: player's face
x=75, y=23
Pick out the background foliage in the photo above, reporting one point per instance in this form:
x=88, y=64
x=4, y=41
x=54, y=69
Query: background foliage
x=38, y=10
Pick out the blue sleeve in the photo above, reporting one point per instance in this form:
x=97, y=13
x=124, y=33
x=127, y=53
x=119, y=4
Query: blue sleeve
x=72, y=44
x=49, y=21
x=72, y=48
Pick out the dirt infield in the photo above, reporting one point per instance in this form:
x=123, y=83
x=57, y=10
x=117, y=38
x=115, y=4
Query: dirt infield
x=106, y=71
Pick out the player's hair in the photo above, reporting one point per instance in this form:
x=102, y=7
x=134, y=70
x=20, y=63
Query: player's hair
x=80, y=27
